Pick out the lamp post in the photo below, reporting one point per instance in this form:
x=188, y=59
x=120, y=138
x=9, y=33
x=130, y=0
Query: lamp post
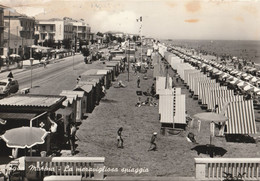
x=8, y=50
x=31, y=59
x=128, y=53
x=75, y=48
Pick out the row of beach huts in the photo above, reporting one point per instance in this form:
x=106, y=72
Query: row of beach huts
x=211, y=85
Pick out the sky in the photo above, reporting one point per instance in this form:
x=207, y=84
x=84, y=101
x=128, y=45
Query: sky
x=161, y=19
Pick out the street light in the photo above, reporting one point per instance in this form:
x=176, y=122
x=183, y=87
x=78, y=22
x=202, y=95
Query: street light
x=31, y=60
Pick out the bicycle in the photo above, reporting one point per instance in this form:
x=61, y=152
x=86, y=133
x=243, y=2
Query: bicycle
x=230, y=177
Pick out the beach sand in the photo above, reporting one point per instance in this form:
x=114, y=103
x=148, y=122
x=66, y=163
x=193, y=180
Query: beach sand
x=174, y=157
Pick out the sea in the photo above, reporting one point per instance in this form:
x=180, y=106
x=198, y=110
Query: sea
x=242, y=49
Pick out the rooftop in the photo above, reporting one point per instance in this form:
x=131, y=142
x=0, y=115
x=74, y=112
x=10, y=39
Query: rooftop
x=30, y=100
x=15, y=14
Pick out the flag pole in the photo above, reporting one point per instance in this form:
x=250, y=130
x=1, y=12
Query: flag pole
x=128, y=54
x=141, y=20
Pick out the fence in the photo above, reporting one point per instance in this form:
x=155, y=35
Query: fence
x=214, y=168
x=36, y=168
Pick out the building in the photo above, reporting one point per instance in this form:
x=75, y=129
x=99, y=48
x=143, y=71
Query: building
x=80, y=28
x=54, y=29
x=19, y=29
x=2, y=28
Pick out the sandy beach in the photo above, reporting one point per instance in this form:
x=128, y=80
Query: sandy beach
x=175, y=157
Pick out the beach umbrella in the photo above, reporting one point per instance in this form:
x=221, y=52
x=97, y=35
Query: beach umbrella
x=211, y=117
x=241, y=83
x=210, y=68
x=10, y=75
x=248, y=77
x=215, y=70
x=14, y=55
x=24, y=137
x=244, y=74
x=239, y=73
x=34, y=46
x=235, y=81
x=203, y=65
x=219, y=72
x=225, y=75
x=248, y=88
x=253, y=79
x=256, y=89
x=252, y=69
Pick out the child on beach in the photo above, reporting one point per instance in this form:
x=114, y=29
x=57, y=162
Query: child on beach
x=153, y=146
x=119, y=138
x=138, y=82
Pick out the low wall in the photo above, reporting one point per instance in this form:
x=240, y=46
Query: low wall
x=214, y=168
x=36, y=168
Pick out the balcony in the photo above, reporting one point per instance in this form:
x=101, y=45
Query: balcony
x=46, y=31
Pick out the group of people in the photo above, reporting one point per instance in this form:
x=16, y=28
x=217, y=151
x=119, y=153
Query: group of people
x=57, y=132
x=120, y=141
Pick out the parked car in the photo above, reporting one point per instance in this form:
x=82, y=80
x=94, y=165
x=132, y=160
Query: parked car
x=44, y=60
x=8, y=86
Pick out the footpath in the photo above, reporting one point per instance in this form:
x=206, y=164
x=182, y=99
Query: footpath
x=26, y=64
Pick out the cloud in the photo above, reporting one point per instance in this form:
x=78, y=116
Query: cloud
x=191, y=20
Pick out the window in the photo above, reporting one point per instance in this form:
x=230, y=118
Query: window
x=51, y=28
x=43, y=27
x=43, y=36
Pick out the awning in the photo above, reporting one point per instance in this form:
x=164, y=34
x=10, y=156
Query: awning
x=65, y=111
x=241, y=118
x=26, y=116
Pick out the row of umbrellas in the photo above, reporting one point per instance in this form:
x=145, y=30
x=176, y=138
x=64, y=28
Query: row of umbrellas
x=219, y=69
x=39, y=49
x=12, y=55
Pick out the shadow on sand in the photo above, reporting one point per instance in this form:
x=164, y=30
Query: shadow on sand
x=108, y=101
x=210, y=150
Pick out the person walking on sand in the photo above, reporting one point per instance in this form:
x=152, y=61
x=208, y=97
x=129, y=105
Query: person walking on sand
x=78, y=79
x=72, y=136
x=138, y=82
x=153, y=146
x=120, y=140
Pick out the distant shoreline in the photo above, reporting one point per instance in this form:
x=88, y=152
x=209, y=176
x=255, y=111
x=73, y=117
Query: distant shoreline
x=248, y=50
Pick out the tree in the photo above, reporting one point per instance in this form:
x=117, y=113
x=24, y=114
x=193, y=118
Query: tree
x=45, y=43
x=85, y=52
x=119, y=39
x=100, y=34
x=50, y=43
x=134, y=38
x=59, y=44
x=66, y=43
x=36, y=39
